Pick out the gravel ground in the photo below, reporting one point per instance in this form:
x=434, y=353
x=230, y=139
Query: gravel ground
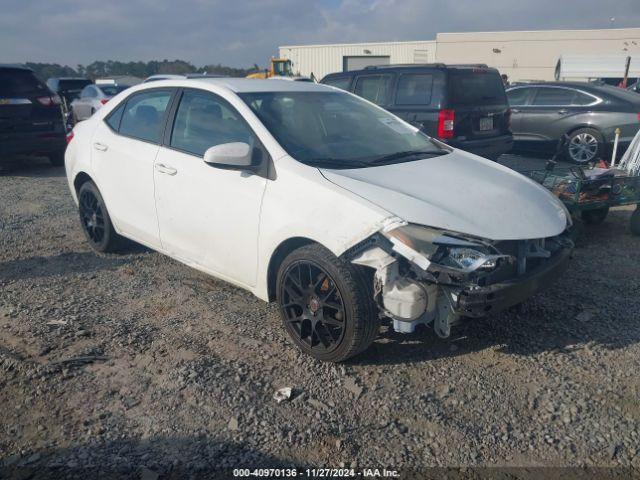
x=135, y=365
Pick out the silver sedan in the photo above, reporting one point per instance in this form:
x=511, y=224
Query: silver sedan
x=92, y=98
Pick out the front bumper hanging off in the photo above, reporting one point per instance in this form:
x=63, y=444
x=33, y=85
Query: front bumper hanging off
x=480, y=301
x=411, y=291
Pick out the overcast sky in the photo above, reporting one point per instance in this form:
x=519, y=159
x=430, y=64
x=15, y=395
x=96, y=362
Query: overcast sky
x=244, y=32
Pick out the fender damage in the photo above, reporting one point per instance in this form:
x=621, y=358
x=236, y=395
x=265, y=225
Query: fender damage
x=423, y=285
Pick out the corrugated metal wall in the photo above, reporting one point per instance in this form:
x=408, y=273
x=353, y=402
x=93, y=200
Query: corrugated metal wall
x=522, y=55
x=323, y=59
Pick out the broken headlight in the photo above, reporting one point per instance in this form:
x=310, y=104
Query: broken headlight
x=470, y=259
x=424, y=246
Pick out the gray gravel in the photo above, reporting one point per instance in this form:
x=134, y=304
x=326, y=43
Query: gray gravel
x=135, y=365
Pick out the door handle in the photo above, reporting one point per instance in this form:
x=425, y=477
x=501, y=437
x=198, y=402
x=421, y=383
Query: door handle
x=563, y=111
x=162, y=168
x=100, y=146
x=515, y=110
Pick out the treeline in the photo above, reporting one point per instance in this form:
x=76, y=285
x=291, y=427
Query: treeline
x=109, y=68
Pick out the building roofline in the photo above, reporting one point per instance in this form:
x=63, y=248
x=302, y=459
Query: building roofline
x=359, y=44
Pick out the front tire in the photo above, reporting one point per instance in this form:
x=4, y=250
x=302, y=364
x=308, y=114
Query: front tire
x=95, y=220
x=583, y=146
x=326, y=304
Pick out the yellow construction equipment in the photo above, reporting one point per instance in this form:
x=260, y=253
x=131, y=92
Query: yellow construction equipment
x=280, y=67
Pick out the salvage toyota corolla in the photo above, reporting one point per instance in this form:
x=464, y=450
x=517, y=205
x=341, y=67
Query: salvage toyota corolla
x=315, y=198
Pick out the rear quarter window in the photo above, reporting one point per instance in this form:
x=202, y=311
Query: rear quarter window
x=518, y=96
x=414, y=89
x=374, y=88
x=338, y=82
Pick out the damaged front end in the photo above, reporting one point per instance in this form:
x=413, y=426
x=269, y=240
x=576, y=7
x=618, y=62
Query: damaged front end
x=430, y=276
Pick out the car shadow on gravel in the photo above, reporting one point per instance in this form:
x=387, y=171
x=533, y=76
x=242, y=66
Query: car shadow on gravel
x=512, y=332
x=161, y=458
x=63, y=264
x=28, y=167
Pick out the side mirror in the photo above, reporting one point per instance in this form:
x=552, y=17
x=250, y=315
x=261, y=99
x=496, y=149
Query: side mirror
x=233, y=156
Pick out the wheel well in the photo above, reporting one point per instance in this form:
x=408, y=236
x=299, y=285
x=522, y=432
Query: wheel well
x=80, y=179
x=591, y=127
x=280, y=253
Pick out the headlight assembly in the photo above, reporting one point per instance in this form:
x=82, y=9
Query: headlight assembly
x=424, y=246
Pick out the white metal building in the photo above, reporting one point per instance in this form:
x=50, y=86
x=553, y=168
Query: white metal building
x=320, y=60
x=523, y=55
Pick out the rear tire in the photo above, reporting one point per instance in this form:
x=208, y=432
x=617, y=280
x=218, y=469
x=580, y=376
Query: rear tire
x=56, y=158
x=595, y=216
x=583, y=146
x=326, y=304
x=95, y=221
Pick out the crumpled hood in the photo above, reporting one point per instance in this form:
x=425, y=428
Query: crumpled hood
x=459, y=192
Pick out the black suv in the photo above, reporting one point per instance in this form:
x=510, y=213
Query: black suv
x=30, y=116
x=462, y=105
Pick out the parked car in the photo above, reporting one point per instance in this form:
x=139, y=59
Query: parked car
x=30, y=116
x=312, y=197
x=462, y=105
x=542, y=112
x=92, y=98
x=68, y=89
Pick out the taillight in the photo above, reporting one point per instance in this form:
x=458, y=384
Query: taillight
x=104, y=100
x=639, y=117
x=50, y=101
x=69, y=137
x=445, y=123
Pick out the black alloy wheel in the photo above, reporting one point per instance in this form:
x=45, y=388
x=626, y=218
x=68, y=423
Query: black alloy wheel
x=326, y=303
x=95, y=220
x=313, y=307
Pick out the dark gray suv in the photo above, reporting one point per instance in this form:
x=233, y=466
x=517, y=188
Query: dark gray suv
x=541, y=113
x=462, y=105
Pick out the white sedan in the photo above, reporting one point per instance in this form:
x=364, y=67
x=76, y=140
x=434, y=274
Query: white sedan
x=92, y=98
x=317, y=199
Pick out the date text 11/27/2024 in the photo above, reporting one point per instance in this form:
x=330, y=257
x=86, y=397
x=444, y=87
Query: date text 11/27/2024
x=316, y=472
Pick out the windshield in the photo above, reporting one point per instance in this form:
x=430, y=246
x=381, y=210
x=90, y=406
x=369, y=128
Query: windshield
x=338, y=130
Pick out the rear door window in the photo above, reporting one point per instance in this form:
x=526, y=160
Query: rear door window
x=476, y=87
x=338, y=82
x=374, y=88
x=143, y=116
x=414, y=89
x=553, y=97
x=16, y=83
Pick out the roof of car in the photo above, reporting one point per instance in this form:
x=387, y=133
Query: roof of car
x=15, y=66
x=245, y=85
x=543, y=83
x=403, y=67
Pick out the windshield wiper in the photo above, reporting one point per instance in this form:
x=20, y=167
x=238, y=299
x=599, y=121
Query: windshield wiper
x=408, y=153
x=336, y=163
